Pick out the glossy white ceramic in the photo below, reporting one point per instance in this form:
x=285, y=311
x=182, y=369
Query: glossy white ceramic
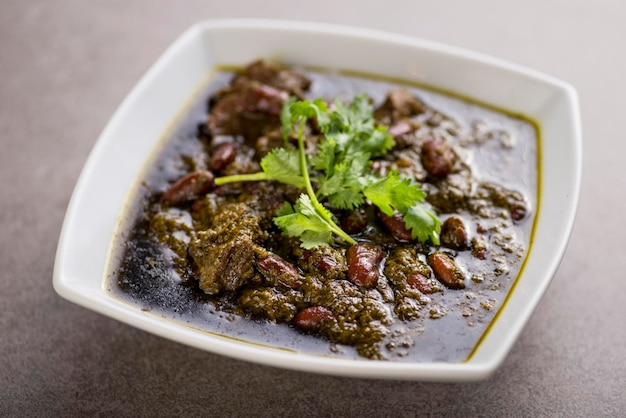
x=119, y=155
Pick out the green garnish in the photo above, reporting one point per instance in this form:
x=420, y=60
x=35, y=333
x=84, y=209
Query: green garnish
x=341, y=170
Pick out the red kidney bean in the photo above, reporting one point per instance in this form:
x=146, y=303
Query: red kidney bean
x=223, y=155
x=453, y=234
x=518, y=213
x=189, y=187
x=363, y=261
x=325, y=264
x=437, y=157
x=396, y=226
x=446, y=270
x=420, y=282
x=277, y=270
x=311, y=319
x=354, y=221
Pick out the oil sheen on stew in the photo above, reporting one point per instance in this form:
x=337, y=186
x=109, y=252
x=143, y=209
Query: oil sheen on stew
x=211, y=256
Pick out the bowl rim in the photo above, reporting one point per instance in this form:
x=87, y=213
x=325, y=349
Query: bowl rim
x=72, y=287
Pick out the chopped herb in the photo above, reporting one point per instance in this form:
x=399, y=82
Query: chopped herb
x=341, y=171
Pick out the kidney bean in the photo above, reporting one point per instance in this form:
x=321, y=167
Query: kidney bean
x=223, y=155
x=396, y=226
x=453, y=234
x=354, y=221
x=363, y=261
x=312, y=318
x=277, y=270
x=518, y=213
x=437, y=157
x=420, y=282
x=446, y=270
x=189, y=187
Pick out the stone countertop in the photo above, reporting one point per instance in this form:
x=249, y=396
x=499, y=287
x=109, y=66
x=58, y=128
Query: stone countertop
x=66, y=65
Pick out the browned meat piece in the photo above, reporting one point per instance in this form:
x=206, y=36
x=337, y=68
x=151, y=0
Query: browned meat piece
x=224, y=267
x=283, y=79
x=261, y=98
x=453, y=233
x=399, y=104
x=247, y=108
x=225, y=255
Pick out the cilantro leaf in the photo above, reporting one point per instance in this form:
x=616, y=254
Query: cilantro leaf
x=394, y=192
x=307, y=109
x=304, y=221
x=283, y=164
x=324, y=159
x=341, y=170
x=423, y=223
x=344, y=188
x=353, y=129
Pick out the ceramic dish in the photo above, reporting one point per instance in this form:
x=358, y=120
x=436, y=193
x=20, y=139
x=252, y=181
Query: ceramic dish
x=99, y=201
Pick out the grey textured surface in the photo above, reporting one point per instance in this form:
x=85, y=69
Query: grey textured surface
x=64, y=68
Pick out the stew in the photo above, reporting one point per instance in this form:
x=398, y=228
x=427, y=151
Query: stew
x=401, y=242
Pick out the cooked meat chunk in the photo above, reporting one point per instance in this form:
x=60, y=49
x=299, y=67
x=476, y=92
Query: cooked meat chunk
x=399, y=104
x=287, y=80
x=247, y=108
x=225, y=255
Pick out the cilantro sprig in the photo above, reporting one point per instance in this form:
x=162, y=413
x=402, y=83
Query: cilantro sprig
x=341, y=171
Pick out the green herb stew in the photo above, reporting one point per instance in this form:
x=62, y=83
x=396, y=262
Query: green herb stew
x=333, y=214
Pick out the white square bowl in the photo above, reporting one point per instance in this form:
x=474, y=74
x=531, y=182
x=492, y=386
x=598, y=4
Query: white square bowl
x=100, y=198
